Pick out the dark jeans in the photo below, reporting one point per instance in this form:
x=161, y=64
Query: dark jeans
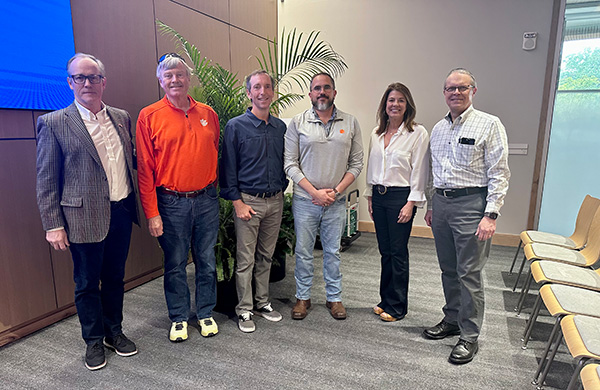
x=392, y=239
x=189, y=222
x=98, y=271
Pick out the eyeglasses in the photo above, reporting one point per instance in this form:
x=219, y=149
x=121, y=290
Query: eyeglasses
x=326, y=88
x=80, y=78
x=460, y=88
x=170, y=55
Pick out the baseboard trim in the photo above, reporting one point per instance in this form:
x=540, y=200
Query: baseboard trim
x=20, y=331
x=502, y=239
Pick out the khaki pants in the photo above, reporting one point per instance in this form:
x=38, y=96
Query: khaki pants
x=256, y=241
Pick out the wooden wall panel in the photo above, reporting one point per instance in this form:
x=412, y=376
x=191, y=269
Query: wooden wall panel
x=244, y=47
x=62, y=267
x=256, y=16
x=217, y=9
x=16, y=124
x=26, y=285
x=210, y=36
x=122, y=35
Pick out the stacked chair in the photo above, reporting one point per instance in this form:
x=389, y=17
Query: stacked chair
x=581, y=336
x=576, y=241
x=590, y=377
x=552, y=264
x=570, y=290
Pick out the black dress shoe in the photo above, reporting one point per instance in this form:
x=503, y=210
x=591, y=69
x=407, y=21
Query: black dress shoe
x=441, y=330
x=463, y=352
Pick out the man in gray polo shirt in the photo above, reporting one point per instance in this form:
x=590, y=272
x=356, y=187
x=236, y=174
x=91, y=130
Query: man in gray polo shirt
x=323, y=156
x=469, y=154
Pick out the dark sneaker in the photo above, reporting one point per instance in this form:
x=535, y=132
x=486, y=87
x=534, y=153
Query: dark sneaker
x=268, y=313
x=121, y=345
x=94, y=356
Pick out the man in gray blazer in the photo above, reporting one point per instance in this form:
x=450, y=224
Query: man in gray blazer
x=86, y=197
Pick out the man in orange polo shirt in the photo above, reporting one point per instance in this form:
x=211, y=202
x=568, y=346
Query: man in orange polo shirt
x=177, y=143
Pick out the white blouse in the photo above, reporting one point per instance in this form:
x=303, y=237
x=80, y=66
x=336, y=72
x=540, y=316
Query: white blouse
x=404, y=163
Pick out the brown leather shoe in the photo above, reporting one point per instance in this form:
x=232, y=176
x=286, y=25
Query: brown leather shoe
x=337, y=310
x=299, y=311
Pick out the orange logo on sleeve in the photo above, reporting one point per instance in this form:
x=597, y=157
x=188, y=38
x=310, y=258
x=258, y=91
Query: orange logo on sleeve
x=342, y=131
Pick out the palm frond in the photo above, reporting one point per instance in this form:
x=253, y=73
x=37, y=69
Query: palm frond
x=296, y=60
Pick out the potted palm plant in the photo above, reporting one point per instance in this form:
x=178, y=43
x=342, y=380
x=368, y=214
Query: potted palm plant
x=291, y=63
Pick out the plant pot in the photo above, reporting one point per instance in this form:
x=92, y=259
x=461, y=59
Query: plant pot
x=226, y=296
x=277, y=269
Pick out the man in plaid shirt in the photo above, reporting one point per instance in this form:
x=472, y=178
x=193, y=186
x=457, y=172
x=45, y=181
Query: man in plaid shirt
x=469, y=161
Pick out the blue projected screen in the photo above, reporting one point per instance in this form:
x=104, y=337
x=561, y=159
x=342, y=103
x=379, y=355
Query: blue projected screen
x=37, y=41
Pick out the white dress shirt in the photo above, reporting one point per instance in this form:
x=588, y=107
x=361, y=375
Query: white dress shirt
x=110, y=149
x=404, y=163
x=471, y=151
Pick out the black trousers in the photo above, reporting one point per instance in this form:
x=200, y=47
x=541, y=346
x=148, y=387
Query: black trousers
x=392, y=239
x=98, y=271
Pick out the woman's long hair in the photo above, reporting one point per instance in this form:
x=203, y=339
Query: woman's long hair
x=409, y=114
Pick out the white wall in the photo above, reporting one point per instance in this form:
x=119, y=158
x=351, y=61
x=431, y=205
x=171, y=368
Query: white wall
x=417, y=43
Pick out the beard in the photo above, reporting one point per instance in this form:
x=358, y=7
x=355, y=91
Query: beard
x=322, y=106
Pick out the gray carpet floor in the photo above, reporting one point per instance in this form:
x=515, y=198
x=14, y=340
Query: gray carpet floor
x=319, y=352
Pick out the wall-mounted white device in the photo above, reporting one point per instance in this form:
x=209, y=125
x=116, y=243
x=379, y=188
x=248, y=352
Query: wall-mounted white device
x=529, y=40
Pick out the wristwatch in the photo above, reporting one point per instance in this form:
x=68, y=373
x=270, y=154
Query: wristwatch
x=335, y=191
x=491, y=215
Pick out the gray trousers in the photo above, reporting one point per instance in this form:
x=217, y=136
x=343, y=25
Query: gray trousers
x=462, y=257
x=256, y=241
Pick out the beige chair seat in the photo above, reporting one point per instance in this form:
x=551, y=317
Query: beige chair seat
x=530, y=236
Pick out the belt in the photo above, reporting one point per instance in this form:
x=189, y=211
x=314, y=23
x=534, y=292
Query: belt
x=383, y=189
x=188, y=194
x=262, y=194
x=457, y=192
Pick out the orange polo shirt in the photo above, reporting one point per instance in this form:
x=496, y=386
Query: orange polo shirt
x=175, y=149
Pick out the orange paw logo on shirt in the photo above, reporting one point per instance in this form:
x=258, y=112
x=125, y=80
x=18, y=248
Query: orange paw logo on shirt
x=204, y=122
x=342, y=131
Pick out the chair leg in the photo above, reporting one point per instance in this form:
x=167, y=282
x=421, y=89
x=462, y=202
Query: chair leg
x=520, y=271
x=545, y=354
x=573, y=381
x=512, y=266
x=524, y=292
x=541, y=381
x=532, y=318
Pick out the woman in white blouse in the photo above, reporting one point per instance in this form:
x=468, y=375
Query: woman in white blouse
x=397, y=173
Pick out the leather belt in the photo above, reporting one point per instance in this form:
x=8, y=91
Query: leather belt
x=382, y=190
x=457, y=192
x=262, y=194
x=188, y=194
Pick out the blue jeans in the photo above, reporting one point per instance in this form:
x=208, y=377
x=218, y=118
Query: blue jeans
x=98, y=271
x=189, y=222
x=308, y=219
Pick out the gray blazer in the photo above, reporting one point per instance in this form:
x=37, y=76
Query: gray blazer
x=72, y=187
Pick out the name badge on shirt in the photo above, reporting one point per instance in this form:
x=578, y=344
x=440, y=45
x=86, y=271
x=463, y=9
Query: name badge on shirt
x=466, y=141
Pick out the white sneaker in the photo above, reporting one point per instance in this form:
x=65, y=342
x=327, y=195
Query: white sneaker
x=178, y=331
x=268, y=313
x=245, y=322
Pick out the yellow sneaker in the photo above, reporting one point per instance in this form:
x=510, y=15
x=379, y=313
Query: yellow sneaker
x=208, y=327
x=178, y=331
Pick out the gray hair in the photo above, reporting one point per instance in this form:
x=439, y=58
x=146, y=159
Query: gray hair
x=260, y=71
x=171, y=62
x=89, y=56
x=463, y=71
